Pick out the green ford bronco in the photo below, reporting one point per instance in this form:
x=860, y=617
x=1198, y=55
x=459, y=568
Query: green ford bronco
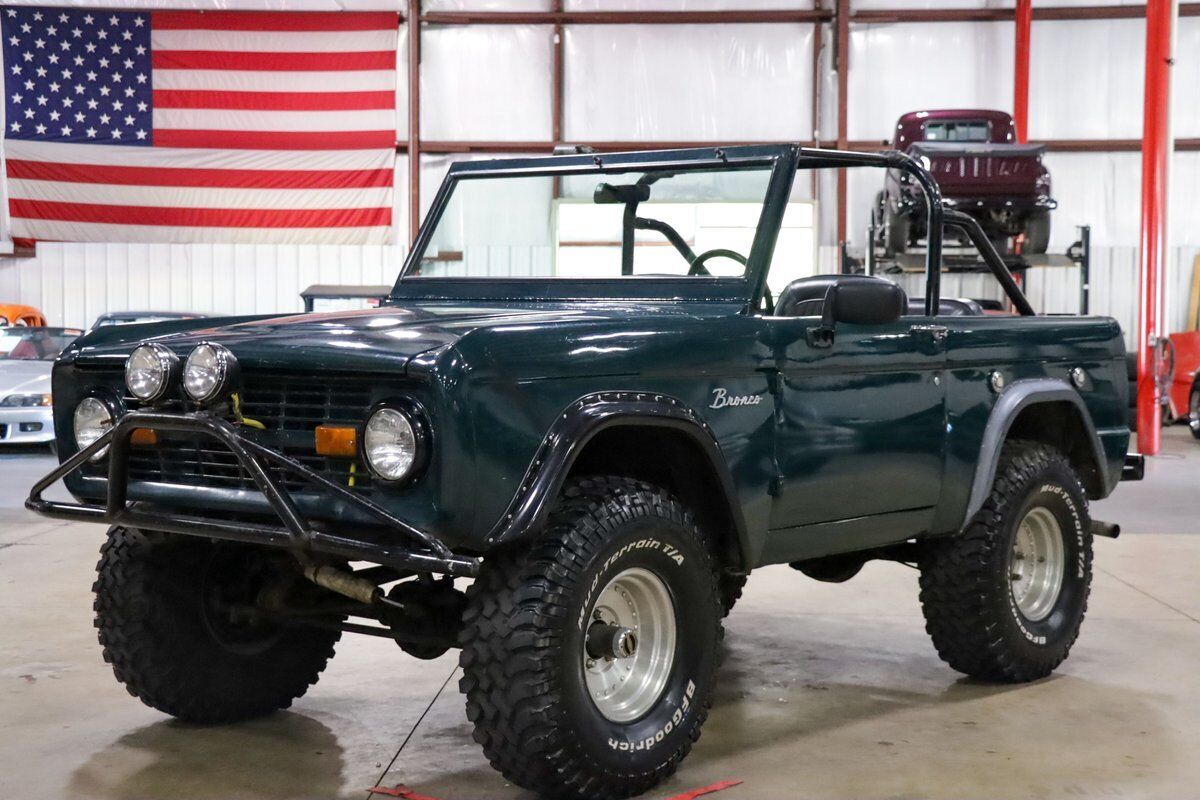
x=602, y=393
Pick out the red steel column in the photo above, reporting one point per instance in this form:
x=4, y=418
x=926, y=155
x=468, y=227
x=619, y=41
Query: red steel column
x=1156, y=154
x=1021, y=74
x=414, y=118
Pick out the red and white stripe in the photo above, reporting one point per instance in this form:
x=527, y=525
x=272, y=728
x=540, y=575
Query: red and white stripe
x=268, y=128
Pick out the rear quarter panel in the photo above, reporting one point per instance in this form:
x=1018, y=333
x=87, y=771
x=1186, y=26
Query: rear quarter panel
x=1022, y=348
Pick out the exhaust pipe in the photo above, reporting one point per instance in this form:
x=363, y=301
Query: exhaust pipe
x=343, y=583
x=1109, y=529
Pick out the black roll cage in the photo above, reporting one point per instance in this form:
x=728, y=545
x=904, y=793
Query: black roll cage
x=784, y=160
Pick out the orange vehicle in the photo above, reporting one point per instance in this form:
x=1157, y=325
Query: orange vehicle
x=14, y=314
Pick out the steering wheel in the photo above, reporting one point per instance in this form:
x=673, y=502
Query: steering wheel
x=697, y=267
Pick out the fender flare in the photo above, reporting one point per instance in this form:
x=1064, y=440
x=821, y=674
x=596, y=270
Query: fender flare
x=1016, y=398
x=577, y=425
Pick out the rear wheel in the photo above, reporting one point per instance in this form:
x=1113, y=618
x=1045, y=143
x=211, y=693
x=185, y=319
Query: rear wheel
x=163, y=614
x=1004, y=600
x=588, y=660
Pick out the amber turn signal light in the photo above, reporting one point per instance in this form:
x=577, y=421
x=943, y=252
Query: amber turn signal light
x=143, y=437
x=337, y=440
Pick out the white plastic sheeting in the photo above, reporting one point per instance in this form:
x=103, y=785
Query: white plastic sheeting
x=897, y=68
x=1085, y=79
x=686, y=5
x=688, y=82
x=489, y=82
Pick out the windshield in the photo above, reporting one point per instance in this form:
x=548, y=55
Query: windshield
x=34, y=344
x=676, y=223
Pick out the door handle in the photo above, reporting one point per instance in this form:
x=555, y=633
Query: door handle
x=936, y=332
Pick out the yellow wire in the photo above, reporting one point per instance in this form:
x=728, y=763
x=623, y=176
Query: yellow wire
x=237, y=414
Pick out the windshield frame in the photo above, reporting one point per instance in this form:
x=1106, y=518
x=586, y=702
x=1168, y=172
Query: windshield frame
x=780, y=159
x=750, y=289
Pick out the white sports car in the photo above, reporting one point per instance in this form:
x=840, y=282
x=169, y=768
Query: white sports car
x=26, y=359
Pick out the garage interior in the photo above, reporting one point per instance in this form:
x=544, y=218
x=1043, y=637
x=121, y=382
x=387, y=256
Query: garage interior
x=826, y=690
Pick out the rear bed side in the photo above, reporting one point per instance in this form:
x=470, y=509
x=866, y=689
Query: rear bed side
x=1040, y=398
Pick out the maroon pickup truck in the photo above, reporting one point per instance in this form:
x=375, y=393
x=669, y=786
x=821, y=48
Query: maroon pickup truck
x=982, y=171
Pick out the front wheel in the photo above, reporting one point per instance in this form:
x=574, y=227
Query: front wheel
x=163, y=614
x=588, y=660
x=1004, y=600
x=896, y=231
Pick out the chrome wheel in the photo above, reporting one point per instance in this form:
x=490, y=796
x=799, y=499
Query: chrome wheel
x=630, y=645
x=1037, y=564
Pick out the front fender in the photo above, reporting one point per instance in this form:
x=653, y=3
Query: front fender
x=578, y=424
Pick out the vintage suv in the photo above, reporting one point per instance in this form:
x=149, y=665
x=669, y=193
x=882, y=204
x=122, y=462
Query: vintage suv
x=583, y=395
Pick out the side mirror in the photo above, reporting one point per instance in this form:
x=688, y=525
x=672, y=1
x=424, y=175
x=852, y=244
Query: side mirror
x=866, y=303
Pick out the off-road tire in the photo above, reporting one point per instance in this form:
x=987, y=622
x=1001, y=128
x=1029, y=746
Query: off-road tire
x=731, y=587
x=1037, y=232
x=896, y=231
x=159, y=639
x=522, y=638
x=966, y=595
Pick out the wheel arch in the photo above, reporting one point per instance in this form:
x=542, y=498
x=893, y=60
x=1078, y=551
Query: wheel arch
x=647, y=436
x=1042, y=410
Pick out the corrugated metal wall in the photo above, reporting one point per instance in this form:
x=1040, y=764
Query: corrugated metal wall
x=74, y=283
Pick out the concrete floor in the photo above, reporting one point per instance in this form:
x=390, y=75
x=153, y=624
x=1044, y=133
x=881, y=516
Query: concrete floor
x=827, y=691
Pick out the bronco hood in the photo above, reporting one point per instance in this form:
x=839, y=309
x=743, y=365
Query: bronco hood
x=371, y=340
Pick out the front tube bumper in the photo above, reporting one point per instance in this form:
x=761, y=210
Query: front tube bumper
x=422, y=552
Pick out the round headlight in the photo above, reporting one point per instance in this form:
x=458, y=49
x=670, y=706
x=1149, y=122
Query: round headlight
x=392, y=444
x=148, y=372
x=208, y=372
x=93, y=418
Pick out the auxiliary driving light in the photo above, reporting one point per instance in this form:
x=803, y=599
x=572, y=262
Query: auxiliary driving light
x=209, y=372
x=149, y=372
x=92, y=419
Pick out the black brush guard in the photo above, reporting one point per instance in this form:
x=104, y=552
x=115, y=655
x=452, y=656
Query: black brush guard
x=423, y=553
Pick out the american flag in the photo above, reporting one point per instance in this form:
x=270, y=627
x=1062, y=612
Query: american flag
x=193, y=126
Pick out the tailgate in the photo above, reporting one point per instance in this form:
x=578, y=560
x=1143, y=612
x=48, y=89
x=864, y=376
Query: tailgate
x=983, y=170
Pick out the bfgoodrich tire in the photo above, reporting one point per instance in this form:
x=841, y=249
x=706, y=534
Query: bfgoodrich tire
x=157, y=612
x=1005, y=599
x=554, y=711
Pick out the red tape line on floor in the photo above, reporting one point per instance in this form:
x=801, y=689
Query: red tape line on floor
x=716, y=787
x=402, y=791
x=399, y=790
